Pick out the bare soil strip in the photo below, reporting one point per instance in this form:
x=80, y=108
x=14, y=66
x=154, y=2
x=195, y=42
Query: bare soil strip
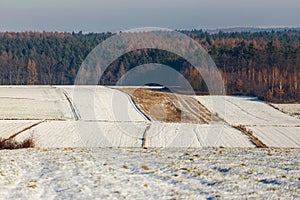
x=170, y=107
x=257, y=142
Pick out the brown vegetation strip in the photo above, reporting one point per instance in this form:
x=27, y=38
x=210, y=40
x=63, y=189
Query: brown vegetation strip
x=170, y=107
x=253, y=139
x=12, y=144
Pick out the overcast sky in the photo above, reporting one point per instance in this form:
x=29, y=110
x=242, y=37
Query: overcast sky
x=116, y=15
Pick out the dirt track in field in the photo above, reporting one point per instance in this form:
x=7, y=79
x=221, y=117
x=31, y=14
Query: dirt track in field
x=170, y=107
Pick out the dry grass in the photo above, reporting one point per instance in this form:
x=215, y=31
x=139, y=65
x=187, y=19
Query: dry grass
x=253, y=139
x=170, y=107
x=145, y=167
x=12, y=144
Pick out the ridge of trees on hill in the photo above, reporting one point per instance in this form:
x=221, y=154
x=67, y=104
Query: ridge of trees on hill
x=263, y=64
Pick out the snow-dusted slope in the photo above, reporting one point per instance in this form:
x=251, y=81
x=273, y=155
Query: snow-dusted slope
x=274, y=136
x=33, y=102
x=271, y=126
x=246, y=111
x=31, y=92
x=97, y=116
x=112, y=120
x=102, y=104
x=28, y=109
x=11, y=127
x=291, y=109
x=194, y=135
x=58, y=134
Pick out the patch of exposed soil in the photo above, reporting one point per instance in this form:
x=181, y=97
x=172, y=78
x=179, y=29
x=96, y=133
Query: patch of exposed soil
x=170, y=107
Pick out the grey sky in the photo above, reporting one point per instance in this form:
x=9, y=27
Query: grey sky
x=115, y=15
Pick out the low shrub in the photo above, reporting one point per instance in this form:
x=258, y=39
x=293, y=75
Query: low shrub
x=13, y=144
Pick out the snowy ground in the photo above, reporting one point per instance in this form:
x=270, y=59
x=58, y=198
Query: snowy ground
x=89, y=116
x=58, y=134
x=291, y=109
x=271, y=126
x=32, y=103
x=56, y=116
x=207, y=173
x=277, y=136
x=194, y=135
x=246, y=111
x=102, y=104
x=10, y=127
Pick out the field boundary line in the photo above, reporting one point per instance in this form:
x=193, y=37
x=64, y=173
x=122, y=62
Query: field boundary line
x=257, y=142
x=134, y=105
x=25, y=129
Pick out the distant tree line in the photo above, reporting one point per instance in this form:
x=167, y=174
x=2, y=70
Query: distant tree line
x=263, y=64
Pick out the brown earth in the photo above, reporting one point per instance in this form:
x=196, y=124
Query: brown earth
x=170, y=107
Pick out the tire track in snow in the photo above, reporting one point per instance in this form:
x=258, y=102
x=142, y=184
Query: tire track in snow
x=72, y=106
x=245, y=111
x=186, y=103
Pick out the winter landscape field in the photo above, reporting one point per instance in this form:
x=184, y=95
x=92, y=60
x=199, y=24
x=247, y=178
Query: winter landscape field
x=97, y=142
x=136, y=173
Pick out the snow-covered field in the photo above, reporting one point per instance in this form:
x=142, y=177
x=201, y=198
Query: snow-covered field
x=194, y=135
x=59, y=134
x=207, y=173
x=271, y=126
x=11, y=127
x=291, y=109
x=87, y=118
x=102, y=104
x=33, y=103
x=277, y=136
x=246, y=111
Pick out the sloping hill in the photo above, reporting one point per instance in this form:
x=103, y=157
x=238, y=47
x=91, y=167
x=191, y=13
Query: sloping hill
x=272, y=127
x=102, y=104
x=33, y=103
x=89, y=116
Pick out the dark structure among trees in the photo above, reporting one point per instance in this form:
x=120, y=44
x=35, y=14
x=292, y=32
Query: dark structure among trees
x=264, y=64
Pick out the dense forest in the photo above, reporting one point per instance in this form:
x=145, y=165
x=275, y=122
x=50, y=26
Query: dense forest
x=265, y=64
